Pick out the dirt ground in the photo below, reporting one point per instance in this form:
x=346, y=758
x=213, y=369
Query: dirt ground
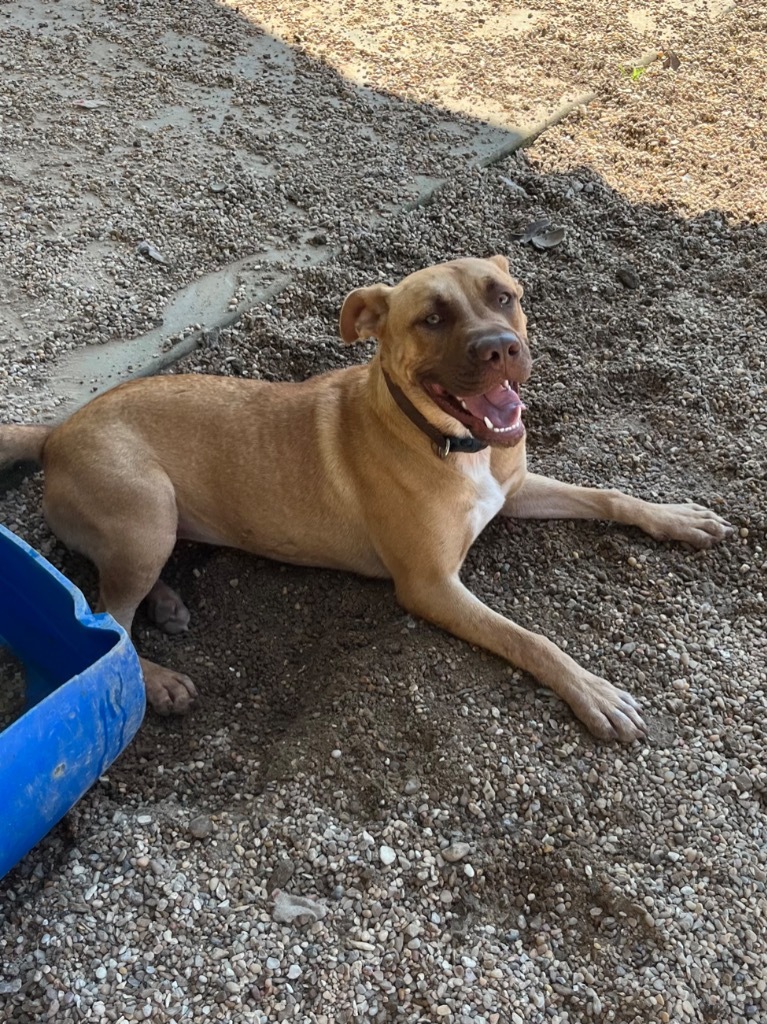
x=606, y=884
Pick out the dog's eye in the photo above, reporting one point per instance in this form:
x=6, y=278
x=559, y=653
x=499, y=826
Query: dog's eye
x=433, y=319
x=504, y=299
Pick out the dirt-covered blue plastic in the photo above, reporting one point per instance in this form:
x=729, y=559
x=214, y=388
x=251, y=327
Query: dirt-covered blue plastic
x=84, y=700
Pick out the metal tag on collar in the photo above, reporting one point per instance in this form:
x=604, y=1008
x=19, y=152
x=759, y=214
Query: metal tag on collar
x=444, y=450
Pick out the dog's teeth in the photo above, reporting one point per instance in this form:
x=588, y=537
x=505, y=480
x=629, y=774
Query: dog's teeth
x=488, y=424
x=463, y=404
x=507, y=385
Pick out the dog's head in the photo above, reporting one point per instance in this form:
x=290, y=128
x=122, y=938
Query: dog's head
x=454, y=334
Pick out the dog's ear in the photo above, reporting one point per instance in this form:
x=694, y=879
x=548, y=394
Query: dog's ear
x=364, y=312
x=501, y=262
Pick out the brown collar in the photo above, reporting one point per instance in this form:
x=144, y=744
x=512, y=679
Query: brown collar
x=444, y=444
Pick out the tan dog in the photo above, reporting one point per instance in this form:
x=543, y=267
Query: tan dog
x=391, y=469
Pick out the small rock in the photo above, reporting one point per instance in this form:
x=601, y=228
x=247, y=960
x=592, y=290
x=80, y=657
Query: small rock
x=387, y=855
x=455, y=852
x=150, y=251
x=211, y=339
x=289, y=908
x=628, y=277
x=744, y=782
x=411, y=786
x=282, y=873
x=201, y=826
x=294, y=971
x=366, y=947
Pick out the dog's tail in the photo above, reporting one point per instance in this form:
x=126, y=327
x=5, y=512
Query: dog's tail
x=22, y=444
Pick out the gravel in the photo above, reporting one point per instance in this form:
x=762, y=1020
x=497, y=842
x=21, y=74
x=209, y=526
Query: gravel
x=365, y=818
x=12, y=687
x=214, y=146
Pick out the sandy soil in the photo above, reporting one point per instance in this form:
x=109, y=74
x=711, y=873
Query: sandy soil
x=605, y=884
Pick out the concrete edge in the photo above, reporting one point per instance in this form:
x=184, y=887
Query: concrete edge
x=521, y=140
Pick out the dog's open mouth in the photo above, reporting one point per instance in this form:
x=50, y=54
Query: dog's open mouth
x=494, y=416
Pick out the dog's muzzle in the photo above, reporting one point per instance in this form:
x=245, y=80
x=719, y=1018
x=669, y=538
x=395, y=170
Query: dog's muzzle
x=497, y=348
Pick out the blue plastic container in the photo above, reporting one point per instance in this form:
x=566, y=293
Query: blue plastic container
x=85, y=697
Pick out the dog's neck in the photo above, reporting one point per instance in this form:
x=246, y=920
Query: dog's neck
x=444, y=444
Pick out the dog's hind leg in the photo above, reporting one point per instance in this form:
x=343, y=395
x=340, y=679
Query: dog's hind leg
x=124, y=582
x=125, y=522
x=166, y=609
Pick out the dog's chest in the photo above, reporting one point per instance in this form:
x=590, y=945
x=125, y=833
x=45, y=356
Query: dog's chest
x=489, y=495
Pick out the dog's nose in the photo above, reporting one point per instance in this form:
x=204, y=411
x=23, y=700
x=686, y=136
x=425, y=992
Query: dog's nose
x=497, y=347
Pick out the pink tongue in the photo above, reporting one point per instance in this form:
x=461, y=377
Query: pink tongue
x=499, y=405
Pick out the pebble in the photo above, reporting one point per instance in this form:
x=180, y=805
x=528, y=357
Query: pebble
x=201, y=826
x=455, y=852
x=628, y=277
x=387, y=855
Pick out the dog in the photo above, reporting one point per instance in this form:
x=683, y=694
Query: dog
x=389, y=469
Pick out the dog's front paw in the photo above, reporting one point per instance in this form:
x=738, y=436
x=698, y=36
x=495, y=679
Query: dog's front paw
x=607, y=712
x=168, y=692
x=692, y=524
